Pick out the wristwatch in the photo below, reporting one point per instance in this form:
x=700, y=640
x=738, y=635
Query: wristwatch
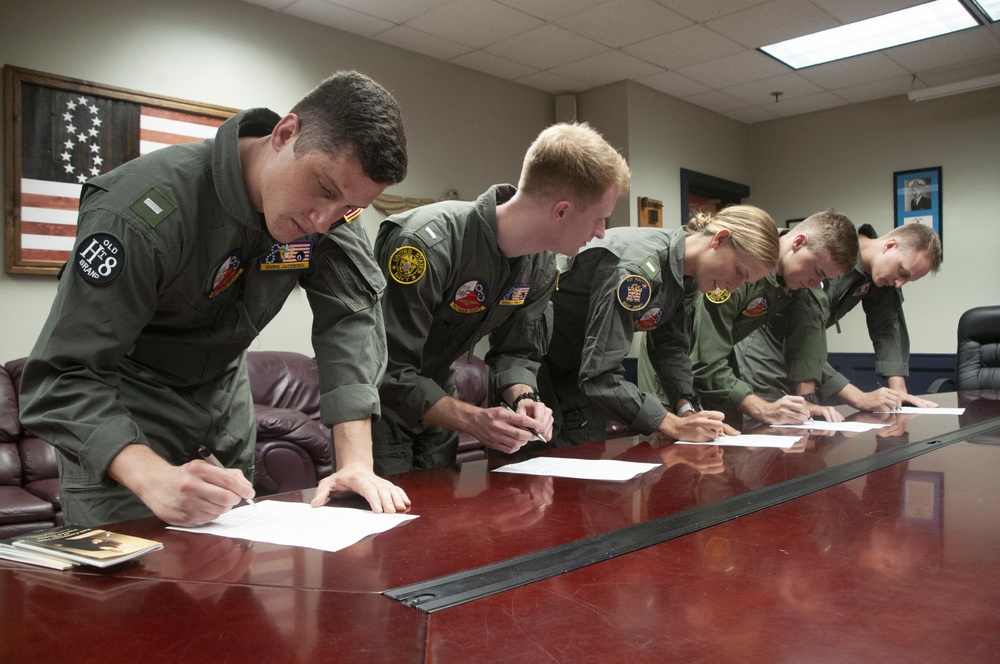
x=811, y=398
x=525, y=395
x=686, y=408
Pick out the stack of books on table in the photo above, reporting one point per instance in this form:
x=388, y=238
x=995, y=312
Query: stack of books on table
x=69, y=546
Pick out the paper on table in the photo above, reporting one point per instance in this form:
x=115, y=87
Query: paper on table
x=823, y=425
x=749, y=440
x=582, y=469
x=299, y=524
x=925, y=411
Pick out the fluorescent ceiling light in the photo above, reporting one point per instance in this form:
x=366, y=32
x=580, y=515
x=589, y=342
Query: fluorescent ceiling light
x=874, y=34
x=955, y=88
x=990, y=7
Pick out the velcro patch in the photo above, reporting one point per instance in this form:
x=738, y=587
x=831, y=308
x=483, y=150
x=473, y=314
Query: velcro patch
x=99, y=258
x=407, y=265
x=634, y=292
x=153, y=207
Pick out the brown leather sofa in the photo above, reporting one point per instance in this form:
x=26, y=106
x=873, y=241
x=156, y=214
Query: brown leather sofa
x=293, y=446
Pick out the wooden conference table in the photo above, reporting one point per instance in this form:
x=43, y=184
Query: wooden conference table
x=848, y=548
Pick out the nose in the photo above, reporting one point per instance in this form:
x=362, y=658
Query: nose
x=599, y=232
x=323, y=219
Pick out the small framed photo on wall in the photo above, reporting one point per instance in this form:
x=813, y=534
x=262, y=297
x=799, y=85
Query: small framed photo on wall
x=918, y=198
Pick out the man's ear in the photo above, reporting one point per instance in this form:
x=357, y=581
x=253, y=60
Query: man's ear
x=890, y=244
x=560, y=209
x=285, y=131
x=800, y=240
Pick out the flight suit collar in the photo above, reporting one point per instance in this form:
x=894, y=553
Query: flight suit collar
x=227, y=171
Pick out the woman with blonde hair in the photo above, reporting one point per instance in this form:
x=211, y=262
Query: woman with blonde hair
x=634, y=280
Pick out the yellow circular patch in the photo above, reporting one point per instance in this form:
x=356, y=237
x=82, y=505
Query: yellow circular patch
x=717, y=296
x=407, y=265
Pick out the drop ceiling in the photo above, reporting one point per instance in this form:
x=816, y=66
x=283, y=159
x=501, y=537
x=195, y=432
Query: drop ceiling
x=701, y=51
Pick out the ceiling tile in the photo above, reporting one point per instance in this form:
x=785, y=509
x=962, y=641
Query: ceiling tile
x=734, y=69
x=608, y=67
x=546, y=47
x=396, y=11
x=421, y=42
x=898, y=85
x=761, y=92
x=849, y=11
x=551, y=10
x=717, y=101
x=706, y=10
x=475, y=23
x=620, y=22
x=817, y=102
x=958, y=47
x=772, y=22
x=559, y=85
x=674, y=84
x=494, y=65
x=276, y=5
x=752, y=114
x=687, y=46
x=852, y=71
x=338, y=17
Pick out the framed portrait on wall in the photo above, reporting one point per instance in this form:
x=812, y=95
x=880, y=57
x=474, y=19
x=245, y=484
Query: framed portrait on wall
x=58, y=133
x=917, y=198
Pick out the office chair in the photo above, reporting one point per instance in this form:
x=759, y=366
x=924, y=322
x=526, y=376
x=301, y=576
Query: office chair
x=978, y=363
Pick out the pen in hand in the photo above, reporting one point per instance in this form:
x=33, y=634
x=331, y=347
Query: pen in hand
x=529, y=429
x=207, y=455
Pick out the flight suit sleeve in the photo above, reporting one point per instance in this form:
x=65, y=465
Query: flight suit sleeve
x=519, y=343
x=803, y=326
x=70, y=381
x=712, y=343
x=669, y=350
x=887, y=330
x=607, y=340
x=409, y=313
x=348, y=337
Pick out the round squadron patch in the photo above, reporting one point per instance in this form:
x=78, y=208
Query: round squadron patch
x=862, y=290
x=650, y=319
x=470, y=298
x=634, y=292
x=407, y=264
x=226, y=274
x=757, y=307
x=718, y=295
x=100, y=258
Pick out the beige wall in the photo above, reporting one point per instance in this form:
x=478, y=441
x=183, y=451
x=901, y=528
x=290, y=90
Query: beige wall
x=845, y=158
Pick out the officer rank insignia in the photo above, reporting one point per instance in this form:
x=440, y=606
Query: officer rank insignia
x=288, y=256
x=515, y=295
x=470, y=298
x=407, y=264
x=757, y=307
x=634, y=292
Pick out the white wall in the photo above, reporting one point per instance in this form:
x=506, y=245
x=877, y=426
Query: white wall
x=845, y=158
x=465, y=130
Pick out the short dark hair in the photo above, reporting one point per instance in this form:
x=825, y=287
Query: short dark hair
x=349, y=112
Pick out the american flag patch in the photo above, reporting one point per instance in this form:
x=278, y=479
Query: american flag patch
x=515, y=295
x=287, y=256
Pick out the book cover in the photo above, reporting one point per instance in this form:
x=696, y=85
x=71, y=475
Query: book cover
x=88, y=546
x=9, y=552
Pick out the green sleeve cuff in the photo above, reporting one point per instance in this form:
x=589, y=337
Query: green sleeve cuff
x=651, y=413
x=104, y=444
x=892, y=368
x=349, y=403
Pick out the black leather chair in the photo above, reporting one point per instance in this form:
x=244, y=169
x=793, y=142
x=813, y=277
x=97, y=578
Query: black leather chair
x=978, y=362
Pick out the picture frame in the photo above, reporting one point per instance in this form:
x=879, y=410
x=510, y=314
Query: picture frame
x=59, y=132
x=792, y=223
x=917, y=198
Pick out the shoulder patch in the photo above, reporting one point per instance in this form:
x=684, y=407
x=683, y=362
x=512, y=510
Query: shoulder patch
x=718, y=295
x=226, y=273
x=650, y=319
x=407, y=265
x=153, y=207
x=634, y=292
x=757, y=307
x=100, y=258
x=470, y=298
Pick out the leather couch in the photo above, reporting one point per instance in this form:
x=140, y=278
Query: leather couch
x=293, y=447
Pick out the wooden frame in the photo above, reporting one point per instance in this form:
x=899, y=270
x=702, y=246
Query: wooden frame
x=116, y=125
x=716, y=192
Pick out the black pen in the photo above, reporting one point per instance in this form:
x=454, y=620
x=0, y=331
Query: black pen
x=207, y=455
x=533, y=432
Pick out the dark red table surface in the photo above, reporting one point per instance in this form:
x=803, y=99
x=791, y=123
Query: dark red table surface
x=862, y=571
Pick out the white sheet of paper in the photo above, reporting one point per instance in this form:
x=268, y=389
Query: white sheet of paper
x=925, y=411
x=299, y=524
x=581, y=469
x=749, y=440
x=823, y=425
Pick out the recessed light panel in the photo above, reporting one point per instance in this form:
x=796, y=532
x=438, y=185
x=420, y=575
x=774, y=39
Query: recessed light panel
x=990, y=7
x=874, y=34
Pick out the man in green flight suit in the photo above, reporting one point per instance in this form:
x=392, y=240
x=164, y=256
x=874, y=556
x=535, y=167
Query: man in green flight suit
x=141, y=360
x=458, y=271
x=884, y=264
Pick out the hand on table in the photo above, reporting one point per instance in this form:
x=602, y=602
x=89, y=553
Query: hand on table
x=382, y=495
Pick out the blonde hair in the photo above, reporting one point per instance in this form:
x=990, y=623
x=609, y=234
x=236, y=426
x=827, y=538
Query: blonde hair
x=572, y=161
x=752, y=230
x=834, y=233
x=918, y=237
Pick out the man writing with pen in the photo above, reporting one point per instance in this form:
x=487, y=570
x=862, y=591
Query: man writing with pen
x=458, y=271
